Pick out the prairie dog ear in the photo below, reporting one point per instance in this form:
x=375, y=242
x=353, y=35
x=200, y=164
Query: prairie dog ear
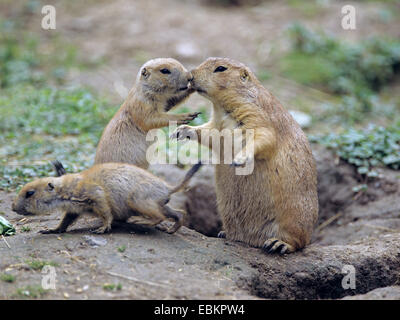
x=145, y=73
x=244, y=75
x=58, y=168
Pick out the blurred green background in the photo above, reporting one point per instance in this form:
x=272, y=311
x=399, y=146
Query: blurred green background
x=59, y=88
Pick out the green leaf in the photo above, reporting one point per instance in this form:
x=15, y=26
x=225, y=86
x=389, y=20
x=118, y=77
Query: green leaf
x=6, y=228
x=362, y=170
x=391, y=159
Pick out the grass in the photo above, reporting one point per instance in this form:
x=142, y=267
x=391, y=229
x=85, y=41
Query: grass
x=346, y=68
x=39, y=264
x=112, y=287
x=19, y=63
x=30, y=292
x=319, y=70
x=27, y=110
x=39, y=125
x=309, y=8
x=25, y=229
x=356, y=72
x=121, y=248
x=7, y=278
x=264, y=75
x=22, y=59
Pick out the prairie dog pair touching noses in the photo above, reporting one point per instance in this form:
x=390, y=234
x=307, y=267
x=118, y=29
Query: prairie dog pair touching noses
x=111, y=191
x=276, y=206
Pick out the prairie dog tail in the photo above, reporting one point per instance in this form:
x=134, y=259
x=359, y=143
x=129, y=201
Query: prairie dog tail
x=187, y=177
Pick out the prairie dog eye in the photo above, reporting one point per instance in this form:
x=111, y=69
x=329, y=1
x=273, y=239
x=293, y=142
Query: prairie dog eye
x=220, y=69
x=29, y=194
x=165, y=71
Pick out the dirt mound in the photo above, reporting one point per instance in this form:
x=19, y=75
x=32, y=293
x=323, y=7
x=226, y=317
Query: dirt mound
x=387, y=293
x=317, y=272
x=346, y=216
x=336, y=180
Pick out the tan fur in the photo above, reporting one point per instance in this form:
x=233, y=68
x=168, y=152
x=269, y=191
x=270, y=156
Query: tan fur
x=276, y=206
x=146, y=107
x=112, y=191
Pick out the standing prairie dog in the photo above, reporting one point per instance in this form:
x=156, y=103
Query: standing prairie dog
x=276, y=206
x=161, y=84
x=112, y=191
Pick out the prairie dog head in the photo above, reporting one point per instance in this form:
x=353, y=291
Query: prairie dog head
x=219, y=79
x=164, y=80
x=37, y=197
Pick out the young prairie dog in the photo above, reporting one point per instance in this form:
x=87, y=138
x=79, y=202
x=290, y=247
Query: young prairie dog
x=161, y=85
x=276, y=206
x=112, y=191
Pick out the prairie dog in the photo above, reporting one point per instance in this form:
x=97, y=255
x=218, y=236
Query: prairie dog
x=276, y=206
x=161, y=84
x=112, y=191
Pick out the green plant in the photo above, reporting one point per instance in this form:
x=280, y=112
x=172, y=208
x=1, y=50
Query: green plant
x=25, y=110
x=112, y=286
x=308, y=8
x=42, y=124
x=367, y=148
x=356, y=72
x=347, y=68
x=308, y=69
x=18, y=62
x=39, y=264
x=25, y=229
x=360, y=188
x=121, y=248
x=30, y=292
x=7, y=277
x=22, y=61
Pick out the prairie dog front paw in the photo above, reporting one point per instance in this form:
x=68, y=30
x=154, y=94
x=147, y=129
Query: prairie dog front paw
x=185, y=118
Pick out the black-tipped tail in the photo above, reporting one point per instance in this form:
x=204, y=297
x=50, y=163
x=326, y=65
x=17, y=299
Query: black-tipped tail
x=58, y=168
x=187, y=177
